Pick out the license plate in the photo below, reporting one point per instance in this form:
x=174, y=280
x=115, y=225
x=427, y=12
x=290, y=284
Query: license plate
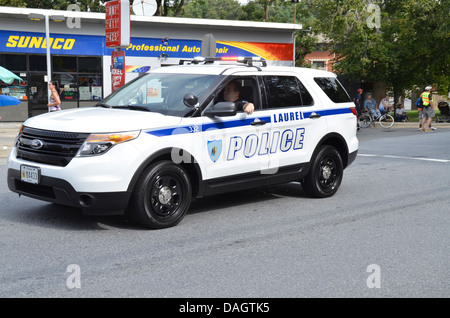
x=30, y=174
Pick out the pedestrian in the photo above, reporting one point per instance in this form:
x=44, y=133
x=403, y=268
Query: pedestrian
x=358, y=101
x=370, y=104
x=54, y=102
x=400, y=113
x=428, y=112
x=419, y=111
x=358, y=104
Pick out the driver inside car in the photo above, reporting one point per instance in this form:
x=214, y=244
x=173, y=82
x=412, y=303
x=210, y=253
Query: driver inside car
x=231, y=94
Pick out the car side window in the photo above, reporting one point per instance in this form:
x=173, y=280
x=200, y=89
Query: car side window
x=248, y=91
x=286, y=91
x=307, y=99
x=333, y=88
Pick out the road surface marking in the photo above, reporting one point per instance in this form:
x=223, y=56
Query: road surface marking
x=407, y=158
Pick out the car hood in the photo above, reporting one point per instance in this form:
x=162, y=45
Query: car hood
x=100, y=120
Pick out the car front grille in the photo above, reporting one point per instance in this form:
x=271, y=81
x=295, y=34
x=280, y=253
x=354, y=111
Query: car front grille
x=50, y=147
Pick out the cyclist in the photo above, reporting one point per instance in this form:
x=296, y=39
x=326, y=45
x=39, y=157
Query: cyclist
x=370, y=104
x=384, y=106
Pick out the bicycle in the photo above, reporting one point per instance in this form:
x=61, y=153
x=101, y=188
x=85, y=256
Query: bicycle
x=385, y=120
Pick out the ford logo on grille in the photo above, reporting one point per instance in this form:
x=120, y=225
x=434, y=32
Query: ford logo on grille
x=36, y=144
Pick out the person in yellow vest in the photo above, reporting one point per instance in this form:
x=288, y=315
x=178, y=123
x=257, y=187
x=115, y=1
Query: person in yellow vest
x=428, y=112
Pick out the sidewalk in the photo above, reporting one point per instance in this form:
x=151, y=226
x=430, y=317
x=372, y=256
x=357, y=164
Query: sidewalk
x=8, y=132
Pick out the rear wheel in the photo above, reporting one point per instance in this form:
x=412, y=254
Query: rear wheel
x=325, y=176
x=162, y=196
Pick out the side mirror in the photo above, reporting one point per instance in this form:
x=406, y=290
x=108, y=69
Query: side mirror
x=221, y=109
x=190, y=100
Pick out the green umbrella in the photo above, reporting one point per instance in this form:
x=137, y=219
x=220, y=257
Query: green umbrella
x=7, y=76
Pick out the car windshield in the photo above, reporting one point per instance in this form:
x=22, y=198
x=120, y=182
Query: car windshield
x=160, y=92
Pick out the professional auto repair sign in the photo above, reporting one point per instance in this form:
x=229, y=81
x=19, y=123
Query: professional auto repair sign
x=117, y=23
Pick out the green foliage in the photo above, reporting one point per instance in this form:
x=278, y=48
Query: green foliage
x=213, y=9
x=170, y=8
x=253, y=11
x=304, y=44
x=85, y=5
x=281, y=11
x=410, y=46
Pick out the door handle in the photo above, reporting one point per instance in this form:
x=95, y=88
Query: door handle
x=314, y=115
x=258, y=123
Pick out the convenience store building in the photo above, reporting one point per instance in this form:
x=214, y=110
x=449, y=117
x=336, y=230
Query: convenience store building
x=81, y=62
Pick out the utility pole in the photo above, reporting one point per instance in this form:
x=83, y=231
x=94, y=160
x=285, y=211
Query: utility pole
x=295, y=9
x=266, y=10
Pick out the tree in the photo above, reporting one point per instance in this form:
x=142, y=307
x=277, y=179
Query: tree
x=85, y=5
x=169, y=7
x=214, y=9
x=400, y=42
x=281, y=11
x=304, y=44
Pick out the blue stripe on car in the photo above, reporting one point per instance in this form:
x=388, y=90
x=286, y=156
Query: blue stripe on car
x=194, y=128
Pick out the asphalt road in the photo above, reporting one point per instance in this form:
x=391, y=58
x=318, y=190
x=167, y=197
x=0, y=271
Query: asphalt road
x=384, y=234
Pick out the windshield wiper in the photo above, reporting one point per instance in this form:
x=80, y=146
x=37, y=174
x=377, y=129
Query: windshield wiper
x=103, y=105
x=136, y=107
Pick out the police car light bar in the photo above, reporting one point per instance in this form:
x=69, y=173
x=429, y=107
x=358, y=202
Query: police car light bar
x=249, y=60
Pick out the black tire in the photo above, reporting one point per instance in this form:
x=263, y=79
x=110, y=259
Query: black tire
x=161, y=197
x=325, y=176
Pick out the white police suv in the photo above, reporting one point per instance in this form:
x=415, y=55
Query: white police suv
x=167, y=137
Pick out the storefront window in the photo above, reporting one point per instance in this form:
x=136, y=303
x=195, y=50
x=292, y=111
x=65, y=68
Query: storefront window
x=89, y=64
x=67, y=86
x=38, y=63
x=90, y=87
x=15, y=89
x=80, y=80
x=13, y=62
x=64, y=64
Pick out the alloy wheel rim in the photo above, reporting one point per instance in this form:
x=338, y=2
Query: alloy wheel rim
x=166, y=195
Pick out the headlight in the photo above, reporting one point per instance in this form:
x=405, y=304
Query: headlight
x=19, y=133
x=97, y=144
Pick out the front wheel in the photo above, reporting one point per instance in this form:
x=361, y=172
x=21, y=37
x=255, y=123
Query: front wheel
x=325, y=176
x=162, y=196
x=364, y=120
x=386, y=121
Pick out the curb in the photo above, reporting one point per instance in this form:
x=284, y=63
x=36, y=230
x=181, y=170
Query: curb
x=10, y=125
x=416, y=125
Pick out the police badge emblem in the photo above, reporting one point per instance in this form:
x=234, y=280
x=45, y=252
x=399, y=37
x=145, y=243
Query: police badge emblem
x=214, y=149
